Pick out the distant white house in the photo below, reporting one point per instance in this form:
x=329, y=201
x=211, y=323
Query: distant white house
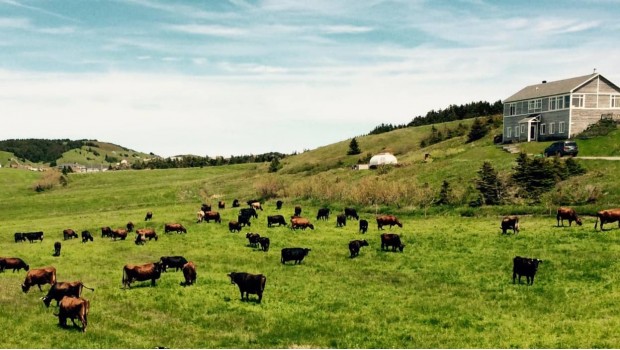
x=382, y=159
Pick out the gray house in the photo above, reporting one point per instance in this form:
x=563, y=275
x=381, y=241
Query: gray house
x=559, y=109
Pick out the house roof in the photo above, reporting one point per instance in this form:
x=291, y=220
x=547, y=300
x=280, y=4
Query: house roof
x=551, y=88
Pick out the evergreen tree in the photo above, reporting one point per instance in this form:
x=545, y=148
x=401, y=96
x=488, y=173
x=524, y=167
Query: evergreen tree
x=478, y=130
x=445, y=194
x=489, y=185
x=573, y=168
x=354, y=148
x=275, y=165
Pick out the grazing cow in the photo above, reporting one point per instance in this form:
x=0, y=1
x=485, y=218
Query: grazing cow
x=120, y=233
x=149, y=216
x=57, y=247
x=275, y=219
x=69, y=234
x=73, y=308
x=568, y=214
x=244, y=220
x=351, y=213
x=140, y=240
x=341, y=220
x=172, y=261
x=13, y=263
x=297, y=210
x=248, y=284
x=221, y=205
x=363, y=226
x=303, y=223
x=323, y=214
x=130, y=226
x=248, y=212
x=383, y=220
x=235, y=203
x=60, y=290
x=212, y=215
x=147, y=233
x=252, y=201
x=607, y=216
x=510, y=223
x=252, y=239
x=264, y=243
x=33, y=236
x=38, y=277
x=106, y=232
x=354, y=247
x=19, y=237
x=200, y=216
x=178, y=228
x=234, y=226
x=296, y=254
x=527, y=267
x=145, y=272
x=256, y=206
x=279, y=204
x=205, y=207
x=391, y=240
x=87, y=236
x=189, y=273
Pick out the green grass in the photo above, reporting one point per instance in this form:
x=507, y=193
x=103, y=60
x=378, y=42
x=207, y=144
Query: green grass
x=450, y=288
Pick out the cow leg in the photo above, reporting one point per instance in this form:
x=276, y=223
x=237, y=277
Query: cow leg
x=152, y=282
x=39, y=287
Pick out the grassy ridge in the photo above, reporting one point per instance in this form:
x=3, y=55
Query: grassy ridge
x=450, y=288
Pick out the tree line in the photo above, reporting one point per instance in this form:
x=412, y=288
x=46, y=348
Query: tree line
x=197, y=161
x=40, y=150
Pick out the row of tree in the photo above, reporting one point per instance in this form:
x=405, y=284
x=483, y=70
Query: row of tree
x=40, y=150
x=197, y=161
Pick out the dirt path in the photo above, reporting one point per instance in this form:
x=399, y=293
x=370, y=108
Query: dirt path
x=601, y=158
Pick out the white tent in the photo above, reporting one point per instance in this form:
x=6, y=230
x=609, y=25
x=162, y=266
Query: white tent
x=382, y=158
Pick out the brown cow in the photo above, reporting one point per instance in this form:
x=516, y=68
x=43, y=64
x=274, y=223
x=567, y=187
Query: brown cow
x=40, y=276
x=211, y=215
x=607, y=216
x=391, y=240
x=391, y=220
x=147, y=233
x=150, y=271
x=71, y=307
x=256, y=206
x=120, y=233
x=302, y=223
x=69, y=234
x=252, y=239
x=234, y=226
x=189, y=272
x=510, y=222
x=60, y=290
x=174, y=227
x=221, y=205
x=13, y=263
x=568, y=214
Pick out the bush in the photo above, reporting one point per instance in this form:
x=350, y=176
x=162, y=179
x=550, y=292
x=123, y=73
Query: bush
x=49, y=180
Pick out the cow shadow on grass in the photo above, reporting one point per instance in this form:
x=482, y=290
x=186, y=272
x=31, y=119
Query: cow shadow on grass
x=70, y=327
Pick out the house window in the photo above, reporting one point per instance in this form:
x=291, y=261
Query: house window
x=578, y=101
x=516, y=131
x=561, y=127
x=513, y=109
x=551, y=128
x=523, y=128
x=615, y=101
x=557, y=102
x=508, y=132
x=543, y=128
x=535, y=105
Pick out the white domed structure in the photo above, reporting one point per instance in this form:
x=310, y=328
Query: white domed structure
x=382, y=159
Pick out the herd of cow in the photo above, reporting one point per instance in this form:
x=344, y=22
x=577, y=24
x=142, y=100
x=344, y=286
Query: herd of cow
x=71, y=304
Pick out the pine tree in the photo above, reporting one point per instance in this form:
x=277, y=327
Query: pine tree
x=354, y=148
x=445, y=194
x=275, y=165
x=489, y=185
x=478, y=130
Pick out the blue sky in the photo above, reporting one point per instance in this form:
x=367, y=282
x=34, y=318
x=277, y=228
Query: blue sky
x=252, y=76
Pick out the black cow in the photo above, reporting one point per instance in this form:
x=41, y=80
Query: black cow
x=13, y=263
x=69, y=234
x=296, y=254
x=244, y=220
x=234, y=226
x=323, y=214
x=275, y=219
x=248, y=212
x=87, y=236
x=57, y=247
x=106, y=232
x=140, y=239
x=252, y=238
x=391, y=240
x=351, y=213
x=363, y=226
x=279, y=204
x=205, y=207
x=62, y=289
x=19, y=237
x=172, y=261
x=221, y=205
x=297, y=210
x=264, y=243
x=235, y=203
x=354, y=247
x=527, y=267
x=130, y=226
x=33, y=236
x=149, y=216
x=341, y=220
x=248, y=284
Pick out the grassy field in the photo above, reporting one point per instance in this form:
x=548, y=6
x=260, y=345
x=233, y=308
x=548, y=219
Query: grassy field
x=450, y=288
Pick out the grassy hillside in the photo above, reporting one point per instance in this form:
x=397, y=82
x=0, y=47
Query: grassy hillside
x=450, y=288
x=96, y=155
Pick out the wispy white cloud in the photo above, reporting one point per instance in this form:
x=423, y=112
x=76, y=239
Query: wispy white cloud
x=344, y=29
x=36, y=9
x=213, y=30
x=15, y=23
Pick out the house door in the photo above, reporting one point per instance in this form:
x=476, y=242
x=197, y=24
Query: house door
x=533, y=132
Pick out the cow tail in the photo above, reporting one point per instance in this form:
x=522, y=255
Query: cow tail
x=93, y=289
x=124, y=277
x=263, y=280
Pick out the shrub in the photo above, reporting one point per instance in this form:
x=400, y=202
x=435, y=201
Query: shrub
x=49, y=179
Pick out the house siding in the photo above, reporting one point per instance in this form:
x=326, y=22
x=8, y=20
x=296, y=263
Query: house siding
x=582, y=118
x=555, y=117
